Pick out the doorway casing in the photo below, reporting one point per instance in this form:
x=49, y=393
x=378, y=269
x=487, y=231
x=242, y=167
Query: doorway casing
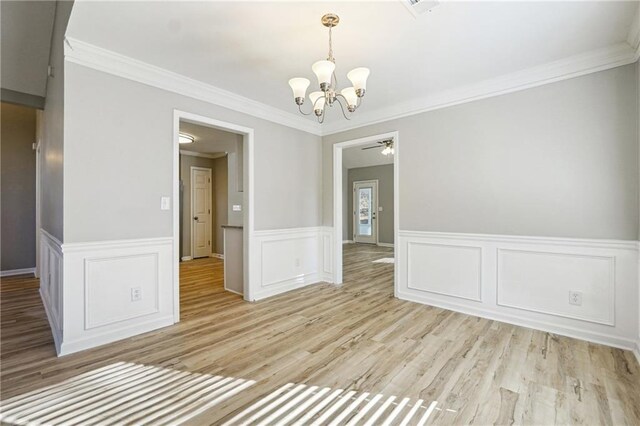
x=247, y=197
x=337, y=200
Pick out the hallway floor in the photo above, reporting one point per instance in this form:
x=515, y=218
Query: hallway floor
x=368, y=355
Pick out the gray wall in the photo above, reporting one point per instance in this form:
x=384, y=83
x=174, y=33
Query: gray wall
x=52, y=152
x=559, y=160
x=384, y=175
x=18, y=187
x=118, y=148
x=218, y=199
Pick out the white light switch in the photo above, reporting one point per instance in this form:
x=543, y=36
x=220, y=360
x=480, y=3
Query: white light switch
x=165, y=203
x=379, y=208
x=237, y=208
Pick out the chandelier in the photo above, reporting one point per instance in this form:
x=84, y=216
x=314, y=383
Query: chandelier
x=328, y=93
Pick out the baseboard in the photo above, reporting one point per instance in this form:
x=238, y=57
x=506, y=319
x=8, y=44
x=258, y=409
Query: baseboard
x=636, y=351
x=23, y=271
x=347, y=242
x=69, y=347
x=285, y=286
x=57, y=334
x=595, y=337
x=186, y=258
x=386, y=245
x=217, y=255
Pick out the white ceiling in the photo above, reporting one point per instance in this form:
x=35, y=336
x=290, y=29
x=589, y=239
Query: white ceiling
x=357, y=157
x=253, y=48
x=208, y=140
x=26, y=42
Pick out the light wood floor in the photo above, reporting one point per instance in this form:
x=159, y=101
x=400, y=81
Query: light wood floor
x=454, y=368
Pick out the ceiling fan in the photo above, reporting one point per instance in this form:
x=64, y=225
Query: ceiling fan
x=387, y=146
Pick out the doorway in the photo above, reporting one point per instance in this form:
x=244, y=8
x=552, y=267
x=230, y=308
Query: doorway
x=365, y=208
x=240, y=212
x=340, y=200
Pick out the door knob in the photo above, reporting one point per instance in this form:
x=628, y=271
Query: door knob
x=195, y=218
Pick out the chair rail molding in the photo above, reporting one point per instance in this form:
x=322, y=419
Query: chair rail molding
x=527, y=281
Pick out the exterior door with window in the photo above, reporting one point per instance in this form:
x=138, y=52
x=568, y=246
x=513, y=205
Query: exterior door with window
x=365, y=210
x=200, y=212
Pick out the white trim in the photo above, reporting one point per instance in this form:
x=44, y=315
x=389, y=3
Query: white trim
x=22, y=271
x=217, y=256
x=563, y=69
x=202, y=154
x=347, y=242
x=114, y=244
x=55, y=332
x=581, y=242
x=38, y=149
x=636, y=350
x=590, y=336
x=337, y=197
x=88, y=55
x=613, y=320
x=248, y=200
x=210, y=222
x=633, y=36
x=385, y=244
x=186, y=258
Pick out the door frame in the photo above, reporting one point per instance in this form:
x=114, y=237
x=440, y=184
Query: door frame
x=374, y=208
x=191, y=208
x=247, y=198
x=337, y=200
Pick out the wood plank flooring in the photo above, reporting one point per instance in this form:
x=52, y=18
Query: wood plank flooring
x=384, y=357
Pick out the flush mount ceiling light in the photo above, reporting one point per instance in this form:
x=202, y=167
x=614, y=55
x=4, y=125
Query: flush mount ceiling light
x=185, y=138
x=325, y=72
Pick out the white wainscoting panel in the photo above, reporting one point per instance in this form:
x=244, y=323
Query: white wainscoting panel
x=541, y=282
x=449, y=269
x=51, y=284
x=108, y=285
x=287, y=259
x=100, y=278
x=526, y=281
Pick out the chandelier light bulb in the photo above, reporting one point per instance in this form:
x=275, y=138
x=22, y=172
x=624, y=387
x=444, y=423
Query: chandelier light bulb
x=350, y=95
x=299, y=87
x=324, y=70
x=317, y=101
x=358, y=78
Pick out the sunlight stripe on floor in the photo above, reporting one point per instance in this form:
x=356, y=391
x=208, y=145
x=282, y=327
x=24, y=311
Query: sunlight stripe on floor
x=123, y=393
x=302, y=405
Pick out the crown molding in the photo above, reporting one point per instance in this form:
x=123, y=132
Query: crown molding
x=633, y=36
x=89, y=55
x=564, y=69
x=95, y=57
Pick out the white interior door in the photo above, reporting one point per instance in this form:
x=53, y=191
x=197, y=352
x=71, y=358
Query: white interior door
x=365, y=210
x=200, y=212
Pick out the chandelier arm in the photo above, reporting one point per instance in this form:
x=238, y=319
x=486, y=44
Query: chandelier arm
x=341, y=106
x=302, y=112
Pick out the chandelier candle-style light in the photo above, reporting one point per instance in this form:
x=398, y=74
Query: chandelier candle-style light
x=325, y=72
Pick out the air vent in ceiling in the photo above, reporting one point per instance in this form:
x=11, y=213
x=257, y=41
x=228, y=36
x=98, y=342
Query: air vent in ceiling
x=418, y=7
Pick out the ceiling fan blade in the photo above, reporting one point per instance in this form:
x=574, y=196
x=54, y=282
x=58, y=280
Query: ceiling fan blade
x=372, y=147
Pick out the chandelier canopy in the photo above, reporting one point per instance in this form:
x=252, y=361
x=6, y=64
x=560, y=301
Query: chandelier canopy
x=327, y=81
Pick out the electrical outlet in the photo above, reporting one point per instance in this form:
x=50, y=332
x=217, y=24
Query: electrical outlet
x=136, y=294
x=575, y=298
